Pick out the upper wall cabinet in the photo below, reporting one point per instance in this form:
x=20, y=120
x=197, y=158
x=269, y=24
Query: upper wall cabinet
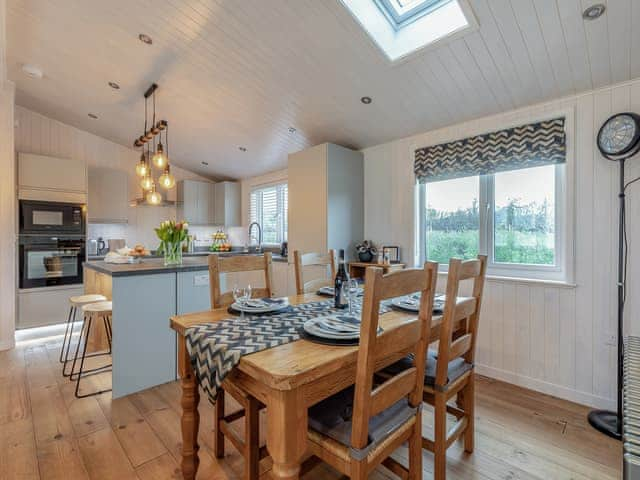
x=326, y=199
x=108, y=196
x=51, y=178
x=196, y=202
x=227, y=204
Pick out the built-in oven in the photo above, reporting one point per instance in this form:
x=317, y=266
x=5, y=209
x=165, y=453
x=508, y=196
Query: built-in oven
x=38, y=217
x=50, y=260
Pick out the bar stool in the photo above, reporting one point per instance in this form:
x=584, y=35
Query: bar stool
x=92, y=312
x=75, y=303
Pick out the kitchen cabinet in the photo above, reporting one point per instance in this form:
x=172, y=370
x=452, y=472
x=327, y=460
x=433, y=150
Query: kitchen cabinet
x=326, y=199
x=108, y=196
x=227, y=204
x=196, y=202
x=51, y=178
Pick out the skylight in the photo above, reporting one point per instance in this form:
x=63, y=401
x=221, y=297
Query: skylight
x=400, y=27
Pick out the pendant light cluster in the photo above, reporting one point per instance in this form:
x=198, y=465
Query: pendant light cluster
x=154, y=154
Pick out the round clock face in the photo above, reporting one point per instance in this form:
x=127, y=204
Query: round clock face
x=618, y=135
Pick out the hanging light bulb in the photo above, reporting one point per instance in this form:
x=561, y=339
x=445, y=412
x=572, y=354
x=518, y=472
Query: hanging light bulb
x=160, y=157
x=167, y=180
x=153, y=197
x=142, y=168
x=147, y=182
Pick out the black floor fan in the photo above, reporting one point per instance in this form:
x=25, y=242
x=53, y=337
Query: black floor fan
x=618, y=140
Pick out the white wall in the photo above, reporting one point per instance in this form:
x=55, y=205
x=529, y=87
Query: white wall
x=41, y=135
x=546, y=337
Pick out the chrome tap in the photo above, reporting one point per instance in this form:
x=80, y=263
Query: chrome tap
x=259, y=246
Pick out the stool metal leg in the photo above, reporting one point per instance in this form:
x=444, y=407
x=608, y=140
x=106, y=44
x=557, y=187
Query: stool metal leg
x=73, y=374
x=81, y=372
x=70, y=319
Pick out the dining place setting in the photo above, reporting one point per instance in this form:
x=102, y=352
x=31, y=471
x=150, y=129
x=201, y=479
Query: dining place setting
x=297, y=357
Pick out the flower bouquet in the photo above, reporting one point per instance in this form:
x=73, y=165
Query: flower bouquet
x=171, y=235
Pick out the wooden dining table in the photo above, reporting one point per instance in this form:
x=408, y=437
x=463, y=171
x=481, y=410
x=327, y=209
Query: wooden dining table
x=288, y=379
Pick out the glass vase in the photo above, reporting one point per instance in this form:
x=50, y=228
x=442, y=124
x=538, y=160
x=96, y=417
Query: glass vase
x=172, y=253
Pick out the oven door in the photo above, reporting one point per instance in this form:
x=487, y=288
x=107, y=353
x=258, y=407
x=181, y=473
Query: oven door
x=47, y=217
x=48, y=261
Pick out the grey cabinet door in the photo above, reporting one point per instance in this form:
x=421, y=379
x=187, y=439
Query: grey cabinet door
x=108, y=195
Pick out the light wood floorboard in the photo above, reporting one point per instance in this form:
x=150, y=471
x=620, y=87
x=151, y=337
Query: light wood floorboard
x=49, y=434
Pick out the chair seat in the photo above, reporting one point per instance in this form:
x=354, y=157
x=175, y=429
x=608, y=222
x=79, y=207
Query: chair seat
x=457, y=368
x=80, y=300
x=97, y=307
x=332, y=417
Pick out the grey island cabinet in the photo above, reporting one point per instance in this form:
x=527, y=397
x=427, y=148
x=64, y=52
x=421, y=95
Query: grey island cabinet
x=144, y=296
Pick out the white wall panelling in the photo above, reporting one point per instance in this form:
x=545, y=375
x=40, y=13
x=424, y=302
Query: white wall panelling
x=552, y=338
x=35, y=133
x=230, y=74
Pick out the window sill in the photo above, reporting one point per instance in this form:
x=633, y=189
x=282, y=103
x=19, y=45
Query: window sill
x=526, y=281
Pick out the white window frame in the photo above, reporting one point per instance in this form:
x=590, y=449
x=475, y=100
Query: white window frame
x=282, y=220
x=563, y=270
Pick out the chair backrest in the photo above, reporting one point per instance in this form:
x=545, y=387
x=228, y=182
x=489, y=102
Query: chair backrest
x=240, y=263
x=464, y=345
x=302, y=260
x=377, y=351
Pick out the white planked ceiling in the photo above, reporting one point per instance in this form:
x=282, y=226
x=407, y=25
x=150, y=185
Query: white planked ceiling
x=241, y=72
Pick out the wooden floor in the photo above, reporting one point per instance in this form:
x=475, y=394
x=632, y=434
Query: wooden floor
x=45, y=433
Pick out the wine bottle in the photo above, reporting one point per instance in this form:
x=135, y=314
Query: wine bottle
x=340, y=300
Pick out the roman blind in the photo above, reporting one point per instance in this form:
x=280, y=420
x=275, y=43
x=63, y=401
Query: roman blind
x=269, y=206
x=525, y=146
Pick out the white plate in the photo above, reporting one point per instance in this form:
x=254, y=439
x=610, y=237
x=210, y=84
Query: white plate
x=406, y=303
x=315, y=327
x=268, y=307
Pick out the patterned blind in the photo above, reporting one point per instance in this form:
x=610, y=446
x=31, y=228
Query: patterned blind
x=269, y=207
x=526, y=146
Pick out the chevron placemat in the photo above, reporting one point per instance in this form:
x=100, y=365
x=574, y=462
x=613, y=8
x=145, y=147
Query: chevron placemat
x=215, y=348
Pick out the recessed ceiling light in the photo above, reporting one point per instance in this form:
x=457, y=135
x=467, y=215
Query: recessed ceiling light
x=32, y=71
x=594, y=11
x=114, y=85
x=366, y=100
x=206, y=164
x=92, y=115
x=292, y=130
x=145, y=38
x=242, y=149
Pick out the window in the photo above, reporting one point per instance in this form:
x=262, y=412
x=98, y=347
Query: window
x=269, y=207
x=515, y=217
x=401, y=27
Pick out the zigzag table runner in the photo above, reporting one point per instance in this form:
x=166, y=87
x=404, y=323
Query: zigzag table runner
x=215, y=348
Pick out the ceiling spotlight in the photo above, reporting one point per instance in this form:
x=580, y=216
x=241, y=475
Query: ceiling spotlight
x=366, y=100
x=206, y=164
x=114, y=85
x=292, y=130
x=594, y=11
x=92, y=115
x=144, y=38
x=32, y=71
x=242, y=149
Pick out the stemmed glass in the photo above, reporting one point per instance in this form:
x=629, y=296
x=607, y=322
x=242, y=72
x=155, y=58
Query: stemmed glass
x=241, y=296
x=352, y=292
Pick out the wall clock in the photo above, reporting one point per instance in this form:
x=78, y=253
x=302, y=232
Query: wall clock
x=620, y=136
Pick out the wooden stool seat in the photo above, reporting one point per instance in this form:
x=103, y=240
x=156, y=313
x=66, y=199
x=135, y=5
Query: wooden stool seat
x=97, y=308
x=80, y=300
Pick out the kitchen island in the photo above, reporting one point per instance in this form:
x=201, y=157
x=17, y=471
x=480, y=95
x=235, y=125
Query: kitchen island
x=144, y=296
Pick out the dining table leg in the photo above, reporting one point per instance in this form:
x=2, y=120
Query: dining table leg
x=190, y=417
x=286, y=433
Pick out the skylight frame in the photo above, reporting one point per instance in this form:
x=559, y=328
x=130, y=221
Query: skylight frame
x=423, y=33
x=399, y=20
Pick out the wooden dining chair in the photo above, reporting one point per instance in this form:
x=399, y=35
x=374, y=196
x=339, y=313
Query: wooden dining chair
x=248, y=446
x=302, y=260
x=450, y=371
x=359, y=428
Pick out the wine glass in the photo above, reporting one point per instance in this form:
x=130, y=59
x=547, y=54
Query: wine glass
x=241, y=296
x=352, y=292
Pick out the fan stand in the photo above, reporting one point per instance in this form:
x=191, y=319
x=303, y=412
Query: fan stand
x=605, y=421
